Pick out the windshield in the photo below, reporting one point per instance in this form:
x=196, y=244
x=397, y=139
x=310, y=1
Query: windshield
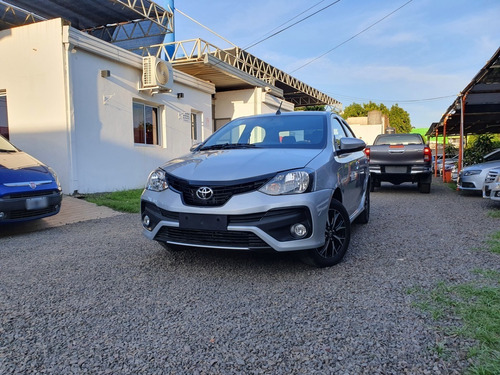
x=6, y=146
x=273, y=131
x=399, y=139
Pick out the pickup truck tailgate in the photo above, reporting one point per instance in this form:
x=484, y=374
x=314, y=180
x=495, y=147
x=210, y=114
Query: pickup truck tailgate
x=397, y=155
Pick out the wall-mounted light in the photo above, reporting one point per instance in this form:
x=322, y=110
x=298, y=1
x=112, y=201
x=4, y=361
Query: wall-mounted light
x=105, y=73
x=180, y=95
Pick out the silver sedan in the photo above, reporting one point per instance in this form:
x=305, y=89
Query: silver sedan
x=281, y=182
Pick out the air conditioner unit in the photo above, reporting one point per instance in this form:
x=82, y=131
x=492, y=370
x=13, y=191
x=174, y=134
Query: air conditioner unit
x=156, y=74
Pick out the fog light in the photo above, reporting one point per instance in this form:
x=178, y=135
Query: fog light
x=146, y=221
x=298, y=230
x=2, y=215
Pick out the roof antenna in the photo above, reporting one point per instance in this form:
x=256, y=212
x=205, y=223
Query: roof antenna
x=278, y=112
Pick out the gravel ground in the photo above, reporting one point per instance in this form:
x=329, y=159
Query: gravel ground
x=98, y=298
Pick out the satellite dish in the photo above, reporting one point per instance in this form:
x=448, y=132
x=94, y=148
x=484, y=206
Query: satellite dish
x=162, y=73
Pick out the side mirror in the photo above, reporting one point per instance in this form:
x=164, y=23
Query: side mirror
x=348, y=145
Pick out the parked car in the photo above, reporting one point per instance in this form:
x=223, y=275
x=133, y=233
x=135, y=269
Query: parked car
x=282, y=182
x=491, y=188
x=472, y=178
x=449, y=164
x=398, y=158
x=28, y=188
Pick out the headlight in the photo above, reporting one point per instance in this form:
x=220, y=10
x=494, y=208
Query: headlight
x=472, y=172
x=294, y=182
x=157, y=181
x=54, y=174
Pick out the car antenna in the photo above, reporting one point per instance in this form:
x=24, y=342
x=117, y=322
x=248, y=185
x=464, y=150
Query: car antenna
x=278, y=112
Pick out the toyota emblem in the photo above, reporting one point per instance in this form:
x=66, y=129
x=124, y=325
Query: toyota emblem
x=204, y=193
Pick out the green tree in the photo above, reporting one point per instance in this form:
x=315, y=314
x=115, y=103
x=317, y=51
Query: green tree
x=354, y=110
x=399, y=119
x=311, y=108
x=483, y=144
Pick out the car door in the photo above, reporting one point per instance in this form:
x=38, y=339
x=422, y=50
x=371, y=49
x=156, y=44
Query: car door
x=348, y=172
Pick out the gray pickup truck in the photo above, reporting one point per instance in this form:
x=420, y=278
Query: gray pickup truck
x=398, y=158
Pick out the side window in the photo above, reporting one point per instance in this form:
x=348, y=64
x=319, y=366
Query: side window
x=4, y=121
x=348, y=130
x=257, y=135
x=146, y=124
x=231, y=136
x=194, y=127
x=338, y=132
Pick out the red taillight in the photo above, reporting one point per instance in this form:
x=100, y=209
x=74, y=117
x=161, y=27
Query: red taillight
x=367, y=153
x=427, y=154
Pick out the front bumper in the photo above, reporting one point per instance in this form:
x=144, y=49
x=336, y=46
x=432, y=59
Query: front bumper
x=492, y=191
x=252, y=221
x=469, y=183
x=18, y=207
x=400, y=173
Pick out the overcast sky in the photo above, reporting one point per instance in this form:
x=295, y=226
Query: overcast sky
x=426, y=49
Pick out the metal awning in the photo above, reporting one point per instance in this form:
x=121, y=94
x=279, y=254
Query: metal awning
x=133, y=22
x=481, y=104
x=234, y=68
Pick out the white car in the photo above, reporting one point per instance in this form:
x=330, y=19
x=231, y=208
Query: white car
x=491, y=188
x=472, y=178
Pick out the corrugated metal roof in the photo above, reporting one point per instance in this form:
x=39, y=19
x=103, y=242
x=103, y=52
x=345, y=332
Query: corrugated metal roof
x=482, y=104
x=115, y=21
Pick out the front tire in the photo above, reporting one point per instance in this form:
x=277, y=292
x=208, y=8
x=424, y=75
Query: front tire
x=337, y=237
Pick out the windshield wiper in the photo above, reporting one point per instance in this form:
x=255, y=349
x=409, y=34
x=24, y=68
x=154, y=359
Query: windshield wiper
x=5, y=150
x=227, y=146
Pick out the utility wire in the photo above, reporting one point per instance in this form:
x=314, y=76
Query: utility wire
x=352, y=37
x=293, y=24
x=392, y=100
x=291, y=19
x=205, y=27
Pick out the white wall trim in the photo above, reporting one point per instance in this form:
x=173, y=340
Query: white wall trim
x=96, y=46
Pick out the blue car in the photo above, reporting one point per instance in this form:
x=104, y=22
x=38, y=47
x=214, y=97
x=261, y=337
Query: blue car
x=28, y=189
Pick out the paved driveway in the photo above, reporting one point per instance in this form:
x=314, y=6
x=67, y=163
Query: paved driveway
x=95, y=297
x=73, y=210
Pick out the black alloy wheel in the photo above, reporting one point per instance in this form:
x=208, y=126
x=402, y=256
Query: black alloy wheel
x=337, y=237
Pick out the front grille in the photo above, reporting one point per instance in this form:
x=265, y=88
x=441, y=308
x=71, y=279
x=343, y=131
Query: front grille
x=468, y=185
x=222, y=193
x=29, y=194
x=491, y=176
x=24, y=214
x=228, y=239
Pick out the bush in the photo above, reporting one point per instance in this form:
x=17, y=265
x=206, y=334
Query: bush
x=479, y=147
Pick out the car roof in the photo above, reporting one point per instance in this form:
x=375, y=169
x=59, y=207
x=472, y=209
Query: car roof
x=295, y=113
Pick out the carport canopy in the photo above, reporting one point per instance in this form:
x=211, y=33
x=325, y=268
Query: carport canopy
x=480, y=103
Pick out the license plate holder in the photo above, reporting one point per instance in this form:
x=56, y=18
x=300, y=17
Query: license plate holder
x=37, y=203
x=396, y=169
x=203, y=221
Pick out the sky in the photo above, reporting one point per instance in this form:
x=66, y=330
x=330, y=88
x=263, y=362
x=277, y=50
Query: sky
x=419, y=57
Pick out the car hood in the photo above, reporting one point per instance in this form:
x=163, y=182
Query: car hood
x=487, y=165
x=229, y=165
x=21, y=167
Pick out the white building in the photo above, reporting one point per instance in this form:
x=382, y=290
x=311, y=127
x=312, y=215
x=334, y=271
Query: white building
x=78, y=103
x=368, y=127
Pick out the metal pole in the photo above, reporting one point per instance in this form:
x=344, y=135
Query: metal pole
x=444, y=147
x=461, y=148
x=436, y=153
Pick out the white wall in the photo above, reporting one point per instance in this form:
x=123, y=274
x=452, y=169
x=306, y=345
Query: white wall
x=367, y=133
x=63, y=112
x=32, y=74
x=238, y=103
